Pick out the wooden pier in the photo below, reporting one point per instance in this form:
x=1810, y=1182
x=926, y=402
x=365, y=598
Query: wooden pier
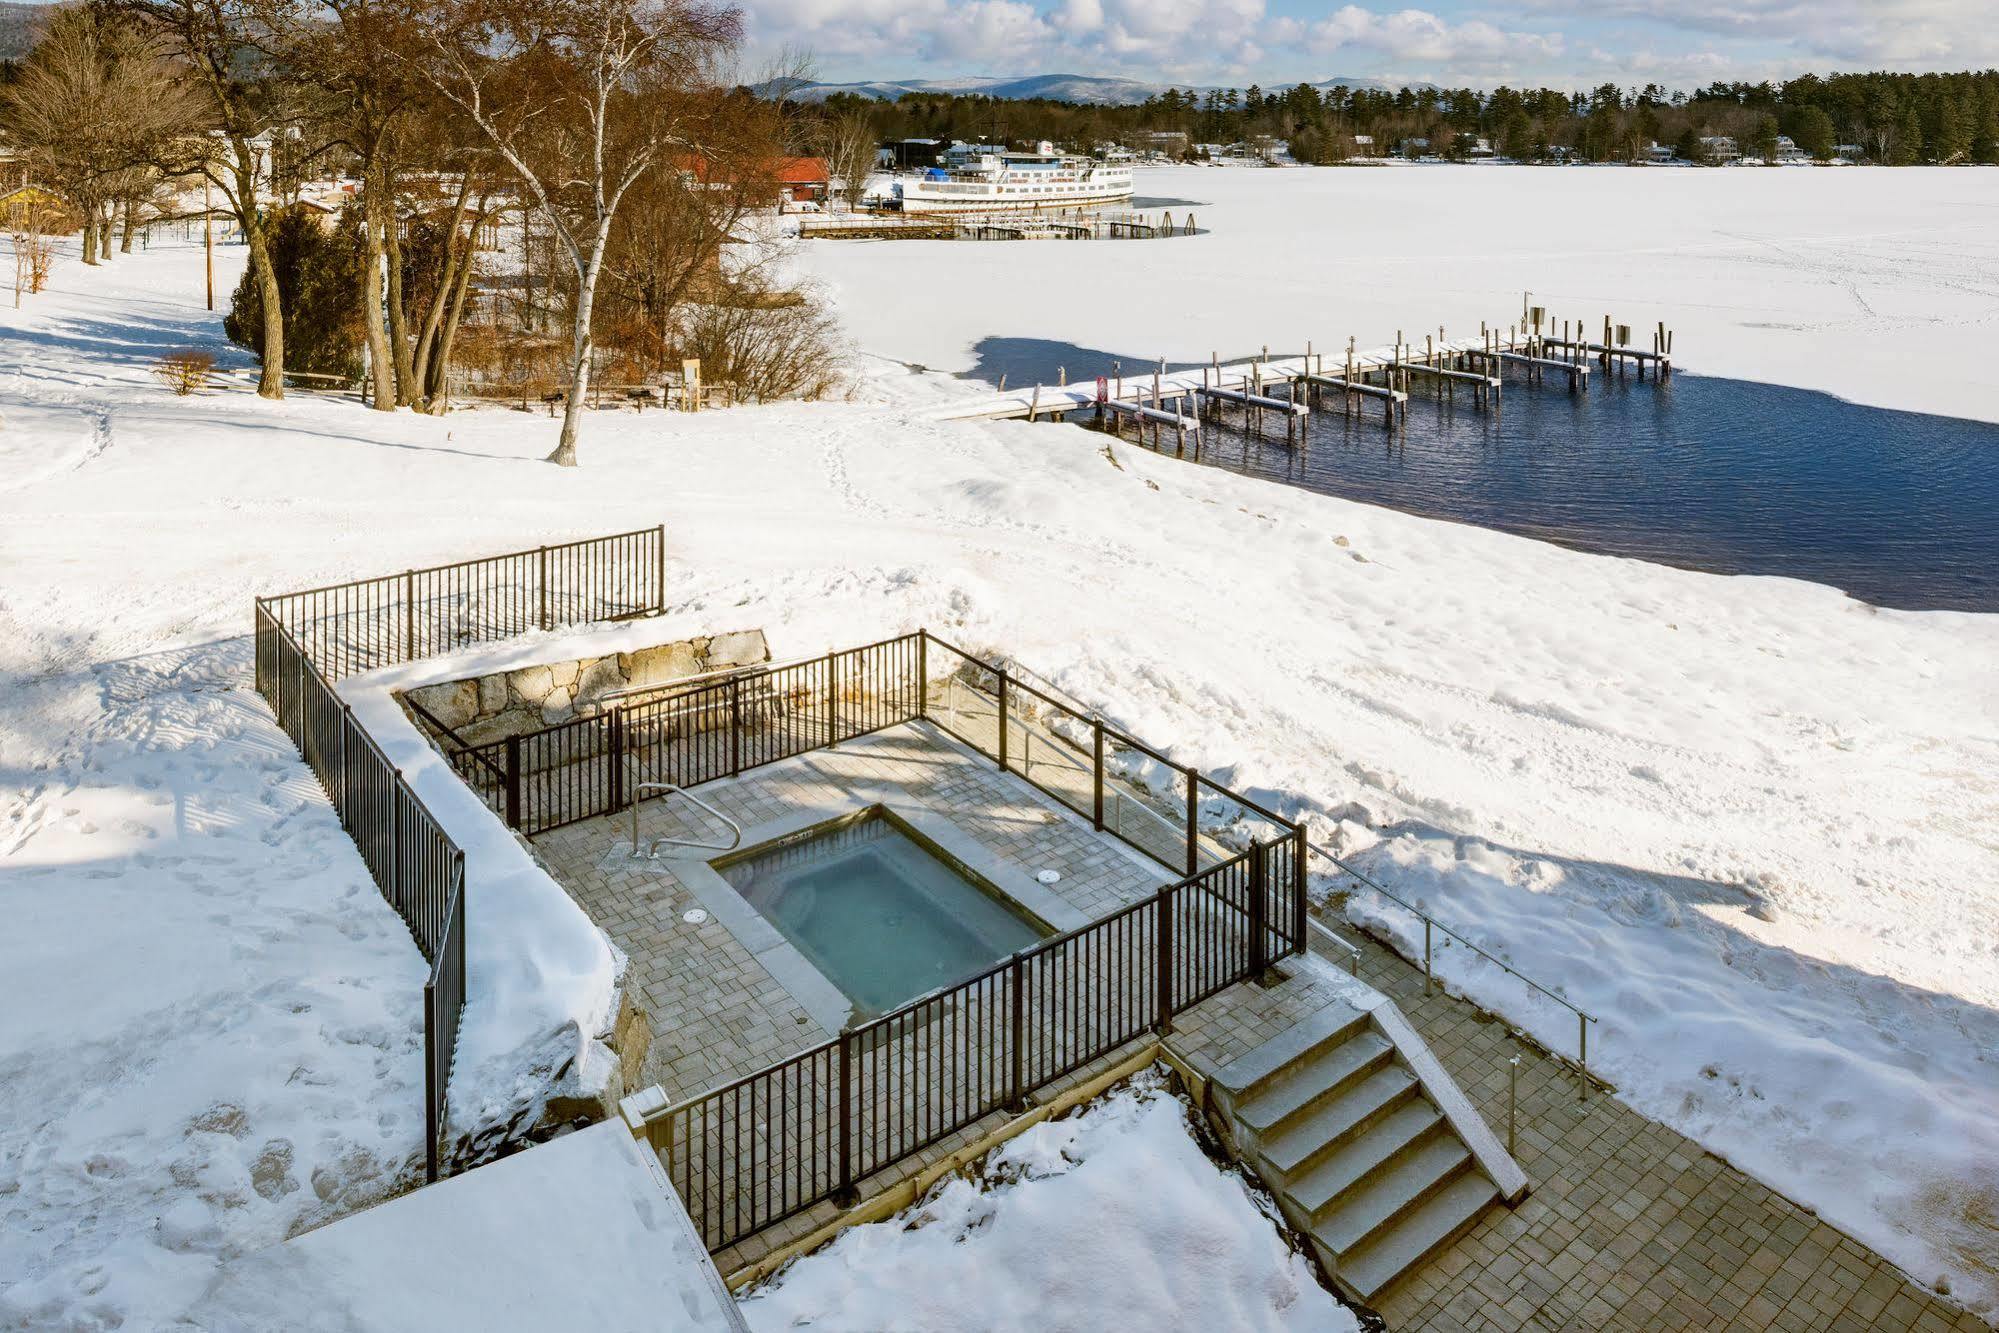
x=1052, y=225
x=1177, y=401
x=1616, y=357
x=1537, y=367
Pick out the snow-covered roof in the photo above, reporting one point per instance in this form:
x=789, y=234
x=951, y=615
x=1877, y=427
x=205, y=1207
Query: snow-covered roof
x=583, y=1232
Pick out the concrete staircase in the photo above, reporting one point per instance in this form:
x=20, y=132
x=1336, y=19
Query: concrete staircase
x=1373, y=1152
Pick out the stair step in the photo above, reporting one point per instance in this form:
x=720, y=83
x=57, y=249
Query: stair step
x=1391, y=1192
x=1248, y=1075
x=1413, y=1237
x=1401, y=1130
x=1317, y=1076
x=1333, y=1120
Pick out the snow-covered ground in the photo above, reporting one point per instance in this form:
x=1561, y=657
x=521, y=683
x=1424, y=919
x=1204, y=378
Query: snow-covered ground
x=1876, y=284
x=1110, y=1218
x=1747, y=821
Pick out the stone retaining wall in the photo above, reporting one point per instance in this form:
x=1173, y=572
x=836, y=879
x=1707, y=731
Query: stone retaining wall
x=509, y=703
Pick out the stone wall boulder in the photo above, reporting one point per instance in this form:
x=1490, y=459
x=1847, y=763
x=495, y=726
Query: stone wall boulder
x=512, y=703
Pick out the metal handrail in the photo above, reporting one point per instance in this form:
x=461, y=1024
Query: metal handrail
x=1583, y=1017
x=652, y=848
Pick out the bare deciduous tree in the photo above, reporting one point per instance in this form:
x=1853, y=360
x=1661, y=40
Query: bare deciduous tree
x=224, y=46
x=851, y=151
x=581, y=98
x=92, y=105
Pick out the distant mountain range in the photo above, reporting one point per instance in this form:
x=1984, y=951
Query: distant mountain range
x=20, y=25
x=1057, y=87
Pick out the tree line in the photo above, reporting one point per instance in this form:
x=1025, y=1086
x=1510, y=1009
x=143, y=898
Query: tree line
x=603, y=142
x=1895, y=119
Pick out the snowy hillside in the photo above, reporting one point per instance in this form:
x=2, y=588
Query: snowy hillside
x=1747, y=821
x=1110, y=1218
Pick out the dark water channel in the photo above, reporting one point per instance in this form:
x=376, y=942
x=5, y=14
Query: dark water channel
x=1897, y=508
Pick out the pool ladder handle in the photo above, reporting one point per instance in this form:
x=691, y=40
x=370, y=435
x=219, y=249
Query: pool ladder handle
x=652, y=848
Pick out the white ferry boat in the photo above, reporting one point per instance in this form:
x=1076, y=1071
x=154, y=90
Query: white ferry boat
x=1006, y=182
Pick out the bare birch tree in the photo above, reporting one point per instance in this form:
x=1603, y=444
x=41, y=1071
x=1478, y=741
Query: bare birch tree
x=581, y=98
x=851, y=151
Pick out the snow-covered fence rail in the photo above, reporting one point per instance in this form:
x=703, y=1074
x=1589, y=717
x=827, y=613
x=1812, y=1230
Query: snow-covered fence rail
x=305, y=641
x=416, y=865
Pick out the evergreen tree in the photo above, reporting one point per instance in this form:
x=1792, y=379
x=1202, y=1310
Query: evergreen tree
x=1814, y=133
x=1762, y=141
x=1908, y=149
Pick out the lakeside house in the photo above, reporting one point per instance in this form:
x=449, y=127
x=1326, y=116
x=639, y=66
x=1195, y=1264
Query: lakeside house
x=802, y=180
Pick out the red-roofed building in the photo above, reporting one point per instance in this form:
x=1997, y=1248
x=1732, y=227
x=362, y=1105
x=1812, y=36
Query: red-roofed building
x=802, y=180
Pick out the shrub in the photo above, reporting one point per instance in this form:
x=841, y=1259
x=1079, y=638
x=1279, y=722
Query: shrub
x=319, y=281
x=184, y=371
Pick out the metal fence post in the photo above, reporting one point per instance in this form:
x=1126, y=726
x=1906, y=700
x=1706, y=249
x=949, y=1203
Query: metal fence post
x=614, y=750
x=409, y=615
x=396, y=842
x=541, y=578
x=1512, y=1097
x=923, y=673
x=1097, y=802
x=735, y=725
x=1193, y=821
x=513, y=782
x=340, y=801
x=659, y=570
x=1298, y=881
x=431, y=1129
x=1426, y=955
x=844, y=1193
x=1002, y=721
x=832, y=698
x=1017, y=1089
x=1259, y=908
x=1582, y=1054
x=1163, y=965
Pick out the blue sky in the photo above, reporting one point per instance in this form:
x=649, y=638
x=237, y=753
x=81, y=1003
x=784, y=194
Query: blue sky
x=1680, y=43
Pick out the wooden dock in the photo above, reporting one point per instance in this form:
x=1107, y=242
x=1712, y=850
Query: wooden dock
x=1616, y=357
x=1051, y=225
x=1536, y=349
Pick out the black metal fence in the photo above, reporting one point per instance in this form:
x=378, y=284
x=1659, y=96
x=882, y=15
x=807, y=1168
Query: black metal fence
x=761, y=1148
x=352, y=627
x=590, y=766
x=307, y=640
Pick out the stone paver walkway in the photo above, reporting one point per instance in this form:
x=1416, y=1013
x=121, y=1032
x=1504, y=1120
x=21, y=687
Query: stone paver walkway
x=1630, y=1225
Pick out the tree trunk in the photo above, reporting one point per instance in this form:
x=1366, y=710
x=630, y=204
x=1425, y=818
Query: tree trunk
x=271, y=377
x=375, y=209
x=399, y=334
x=131, y=222
x=438, y=371
x=455, y=255
x=90, y=236
x=579, y=370
x=103, y=225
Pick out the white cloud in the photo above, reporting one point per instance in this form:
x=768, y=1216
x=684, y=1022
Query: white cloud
x=1901, y=34
x=1562, y=42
